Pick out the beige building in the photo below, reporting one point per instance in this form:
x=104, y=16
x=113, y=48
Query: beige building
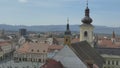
x=35, y=51
x=112, y=61
x=1, y=54
x=6, y=47
x=111, y=56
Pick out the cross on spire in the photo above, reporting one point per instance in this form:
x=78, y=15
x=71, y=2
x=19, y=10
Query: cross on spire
x=67, y=20
x=87, y=3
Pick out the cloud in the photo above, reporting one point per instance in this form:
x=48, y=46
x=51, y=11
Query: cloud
x=23, y=1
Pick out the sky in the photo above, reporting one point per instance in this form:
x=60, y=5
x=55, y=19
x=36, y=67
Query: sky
x=55, y=12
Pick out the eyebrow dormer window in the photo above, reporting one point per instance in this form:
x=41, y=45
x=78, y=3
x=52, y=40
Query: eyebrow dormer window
x=37, y=50
x=32, y=50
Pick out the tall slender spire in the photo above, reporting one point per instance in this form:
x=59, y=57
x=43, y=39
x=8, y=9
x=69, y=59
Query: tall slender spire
x=87, y=19
x=67, y=32
x=113, y=35
x=67, y=23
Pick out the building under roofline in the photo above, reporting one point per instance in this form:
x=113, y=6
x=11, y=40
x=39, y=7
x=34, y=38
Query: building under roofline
x=111, y=56
x=35, y=52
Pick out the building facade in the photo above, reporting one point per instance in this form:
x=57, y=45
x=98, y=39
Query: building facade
x=34, y=52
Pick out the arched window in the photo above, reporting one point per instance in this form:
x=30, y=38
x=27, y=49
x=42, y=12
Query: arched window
x=85, y=34
x=66, y=40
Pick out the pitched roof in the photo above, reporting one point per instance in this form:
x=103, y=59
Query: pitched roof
x=33, y=48
x=86, y=53
x=69, y=59
x=108, y=43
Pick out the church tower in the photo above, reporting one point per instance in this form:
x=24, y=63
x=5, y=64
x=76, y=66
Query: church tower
x=67, y=35
x=113, y=37
x=86, y=28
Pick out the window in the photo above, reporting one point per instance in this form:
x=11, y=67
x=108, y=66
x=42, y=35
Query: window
x=43, y=50
x=116, y=62
x=27, y=66
x=108, y=62
x=85, y=34
x=66, y=40
x=112, y=62
x=39, y=60
x=37, y=50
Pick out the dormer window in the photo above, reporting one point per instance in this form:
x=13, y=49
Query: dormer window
x=43, y=50
x=37, y=50
x=32, y=50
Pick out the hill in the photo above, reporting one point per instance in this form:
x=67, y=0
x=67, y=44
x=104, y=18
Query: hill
x=46, y=28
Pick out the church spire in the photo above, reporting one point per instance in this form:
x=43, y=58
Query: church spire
x=67, y=23
x=67, y=36
x=113, y=35
x=87, y=19
x=67, y=32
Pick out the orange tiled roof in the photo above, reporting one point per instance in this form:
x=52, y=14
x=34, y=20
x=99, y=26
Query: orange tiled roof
x=75, y=40
x=37, y=48
x=108, y=43
x=33, y=48
x=4, y=43
x=55, y=47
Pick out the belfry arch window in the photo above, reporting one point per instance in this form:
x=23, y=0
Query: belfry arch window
x=85, y=34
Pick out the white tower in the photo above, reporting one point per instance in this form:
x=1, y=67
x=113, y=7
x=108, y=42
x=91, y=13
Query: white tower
x=86, y=29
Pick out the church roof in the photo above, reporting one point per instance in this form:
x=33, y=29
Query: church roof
x=88, y=54
x=69, y=59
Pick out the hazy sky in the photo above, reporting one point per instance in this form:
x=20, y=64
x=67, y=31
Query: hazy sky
x=55, y=12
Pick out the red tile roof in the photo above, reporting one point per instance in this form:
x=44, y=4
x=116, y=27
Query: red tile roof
x=4, y=43
x=55, y=47
x=75, y=40
x=33, y=48
x=52, y=64
x=30, y=47
x=108, y=43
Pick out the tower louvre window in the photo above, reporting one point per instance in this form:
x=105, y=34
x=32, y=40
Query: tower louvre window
x=66, y=40
x=85, y=34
